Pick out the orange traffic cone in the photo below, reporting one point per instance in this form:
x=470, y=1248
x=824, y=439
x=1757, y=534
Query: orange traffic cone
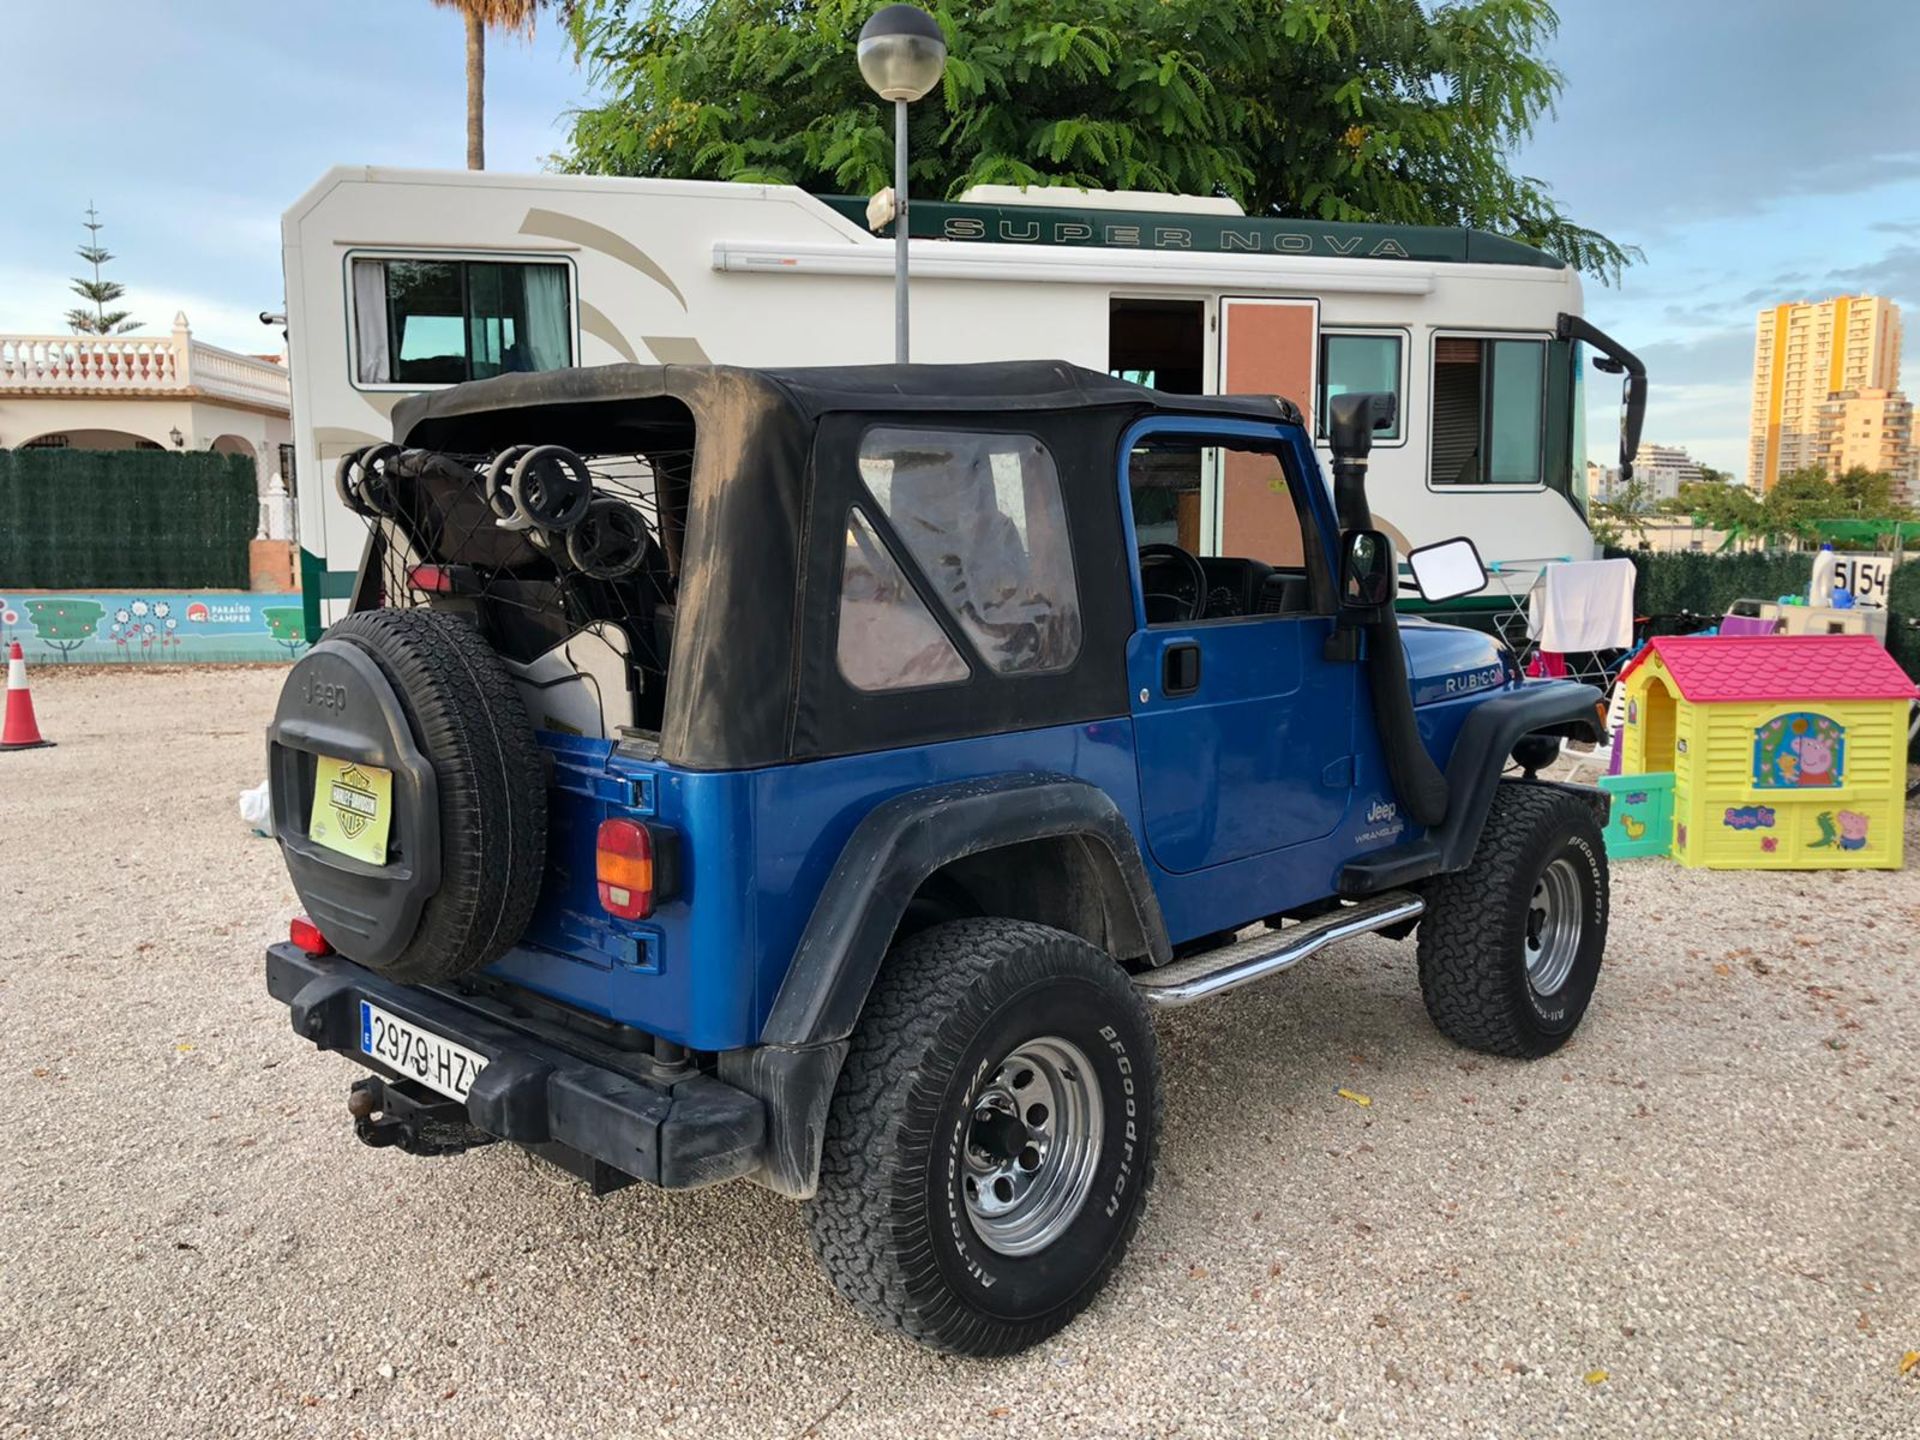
x=20, y=730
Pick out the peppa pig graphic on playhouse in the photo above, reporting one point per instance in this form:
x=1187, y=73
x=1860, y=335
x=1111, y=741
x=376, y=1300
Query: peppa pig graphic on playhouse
x=1799, y=751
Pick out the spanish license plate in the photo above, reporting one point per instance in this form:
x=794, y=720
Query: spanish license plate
x=352, y=808
x=433, y=1060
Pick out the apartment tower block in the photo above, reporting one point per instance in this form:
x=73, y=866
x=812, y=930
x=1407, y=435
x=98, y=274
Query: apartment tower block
x=1803, y=355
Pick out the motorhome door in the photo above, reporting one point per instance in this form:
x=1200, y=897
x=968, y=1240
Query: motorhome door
x=1267, y=347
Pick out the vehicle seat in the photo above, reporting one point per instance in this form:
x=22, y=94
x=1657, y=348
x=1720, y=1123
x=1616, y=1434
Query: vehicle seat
x=1286, y=594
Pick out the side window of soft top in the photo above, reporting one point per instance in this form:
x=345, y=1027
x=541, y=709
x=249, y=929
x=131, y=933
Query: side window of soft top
x=982, y=519
x=888, y=640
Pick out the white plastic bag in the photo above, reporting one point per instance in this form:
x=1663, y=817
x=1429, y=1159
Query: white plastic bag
x=257, y=811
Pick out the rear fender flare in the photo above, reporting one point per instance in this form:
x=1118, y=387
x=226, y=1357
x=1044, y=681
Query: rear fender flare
x=907, y=838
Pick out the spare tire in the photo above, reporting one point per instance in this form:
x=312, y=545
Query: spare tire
x=410, y=711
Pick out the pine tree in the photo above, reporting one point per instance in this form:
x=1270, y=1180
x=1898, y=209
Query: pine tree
x=99, y=320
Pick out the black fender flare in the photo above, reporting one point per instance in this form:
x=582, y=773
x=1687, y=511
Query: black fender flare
x=905, y=839
x=1487, y=738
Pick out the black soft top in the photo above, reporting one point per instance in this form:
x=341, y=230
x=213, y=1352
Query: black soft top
x=811, y=391
x=774, y=470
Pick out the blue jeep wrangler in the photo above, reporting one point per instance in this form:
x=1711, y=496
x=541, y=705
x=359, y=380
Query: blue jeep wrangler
x=819, y=777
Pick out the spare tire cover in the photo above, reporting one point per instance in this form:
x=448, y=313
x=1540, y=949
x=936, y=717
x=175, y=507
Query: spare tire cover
x=409, y=796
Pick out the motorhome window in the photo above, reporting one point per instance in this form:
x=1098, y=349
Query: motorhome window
x=888, y=640
x=438, y=322
x=1360, y=364
x=981, y=516
x=1488, y=409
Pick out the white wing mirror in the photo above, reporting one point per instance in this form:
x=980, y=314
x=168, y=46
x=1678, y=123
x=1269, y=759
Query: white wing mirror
x=1447, y=569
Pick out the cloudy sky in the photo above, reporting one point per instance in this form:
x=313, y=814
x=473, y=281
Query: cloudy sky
x=1758, y=150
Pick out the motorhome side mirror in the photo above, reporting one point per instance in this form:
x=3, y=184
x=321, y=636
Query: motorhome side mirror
x=1633, y=415
x=1447, y=569
x=1367, y=571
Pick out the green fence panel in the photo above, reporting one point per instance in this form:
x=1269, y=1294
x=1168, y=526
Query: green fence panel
x=102, y=519
x=1903, y=604
x=1708, y=583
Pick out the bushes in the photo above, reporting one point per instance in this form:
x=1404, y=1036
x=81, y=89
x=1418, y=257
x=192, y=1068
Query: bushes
x=1903, y=601
x=1707, y=584
x=107, y=519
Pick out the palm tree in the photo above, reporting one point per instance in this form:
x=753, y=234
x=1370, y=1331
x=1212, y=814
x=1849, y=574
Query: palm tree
x=514, y=17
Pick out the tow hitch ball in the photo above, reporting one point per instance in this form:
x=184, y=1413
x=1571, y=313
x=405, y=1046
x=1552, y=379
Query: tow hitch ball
x=406, y=1114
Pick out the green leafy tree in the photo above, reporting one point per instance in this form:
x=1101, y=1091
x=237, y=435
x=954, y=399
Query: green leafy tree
x=102, y=293
x=1623, y=514
x=1863, y=494
x=1341, y=110
x=65, y=625
x=1716, y=506
x=1797, y=500
x=1793, y=508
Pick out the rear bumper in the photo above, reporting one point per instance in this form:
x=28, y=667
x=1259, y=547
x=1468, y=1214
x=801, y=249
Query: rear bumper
x=554, y=1101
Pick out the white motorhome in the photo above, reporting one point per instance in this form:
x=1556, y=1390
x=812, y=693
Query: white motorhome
x=400, y=281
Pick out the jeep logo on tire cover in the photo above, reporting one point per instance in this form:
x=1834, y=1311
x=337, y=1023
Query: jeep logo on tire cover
x=323, y=694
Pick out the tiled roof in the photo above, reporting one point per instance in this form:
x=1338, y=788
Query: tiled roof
x=1711, y=668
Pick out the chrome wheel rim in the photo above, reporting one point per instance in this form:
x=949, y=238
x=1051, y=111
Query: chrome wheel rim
x=1555, y=915
x=1033, y=1144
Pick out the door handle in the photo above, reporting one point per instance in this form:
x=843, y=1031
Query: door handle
x=1180, y=669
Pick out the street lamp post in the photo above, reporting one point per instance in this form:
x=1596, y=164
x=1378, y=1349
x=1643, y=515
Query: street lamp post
x=902, y=53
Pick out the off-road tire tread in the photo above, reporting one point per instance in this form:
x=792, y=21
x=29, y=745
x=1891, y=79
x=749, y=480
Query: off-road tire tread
x=917, y=1015
x=469, y=722
x=1464, y=980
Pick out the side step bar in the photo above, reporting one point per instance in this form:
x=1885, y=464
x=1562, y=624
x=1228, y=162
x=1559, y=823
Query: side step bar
x=1201, y=977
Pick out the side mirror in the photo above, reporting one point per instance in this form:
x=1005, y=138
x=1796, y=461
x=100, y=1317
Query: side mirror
x=1614, y=359
x=1447, y=569
x=1367, y=578
x=1633, y=416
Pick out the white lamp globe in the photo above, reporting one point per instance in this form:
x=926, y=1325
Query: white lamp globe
x=902, y=52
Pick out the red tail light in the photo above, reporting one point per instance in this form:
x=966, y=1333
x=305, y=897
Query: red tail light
x=443, y=579
x=304, y=933
x=634, y=865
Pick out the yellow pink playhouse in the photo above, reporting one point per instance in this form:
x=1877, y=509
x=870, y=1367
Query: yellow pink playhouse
x=1785, y=752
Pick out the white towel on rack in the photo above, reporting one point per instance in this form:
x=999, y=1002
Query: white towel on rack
x=1583, y=606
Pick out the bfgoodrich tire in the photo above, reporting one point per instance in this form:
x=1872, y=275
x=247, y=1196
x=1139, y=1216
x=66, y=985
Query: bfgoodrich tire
x=468, y=721
x=1510, y=947
x=992, y=1138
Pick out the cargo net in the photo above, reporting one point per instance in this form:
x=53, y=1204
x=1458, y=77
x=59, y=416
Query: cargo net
x=543, y=542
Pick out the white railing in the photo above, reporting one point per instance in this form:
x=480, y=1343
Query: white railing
x=84, y=364
x=107, y=365
x=222, y=374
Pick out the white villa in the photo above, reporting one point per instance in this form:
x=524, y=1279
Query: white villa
x=137, y=392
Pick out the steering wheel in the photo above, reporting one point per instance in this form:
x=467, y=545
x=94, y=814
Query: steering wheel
x=1180, y=588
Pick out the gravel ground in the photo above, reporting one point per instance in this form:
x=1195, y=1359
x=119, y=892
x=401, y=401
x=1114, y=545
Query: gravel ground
x=1697, y=1219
